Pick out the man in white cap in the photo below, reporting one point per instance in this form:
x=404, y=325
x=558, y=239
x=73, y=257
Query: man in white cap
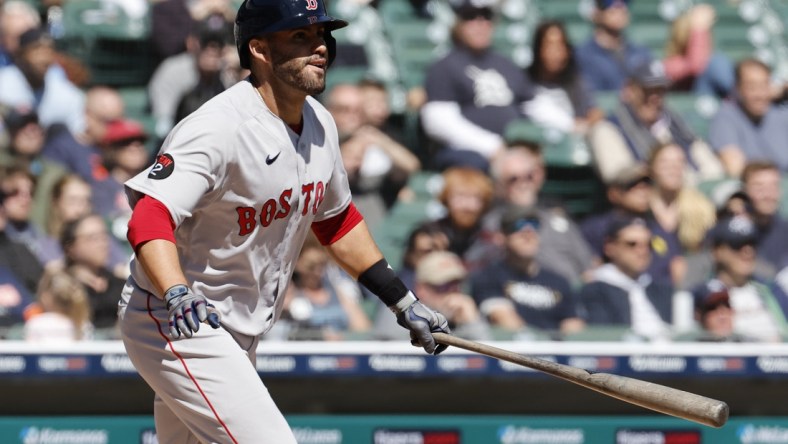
x=440, y=277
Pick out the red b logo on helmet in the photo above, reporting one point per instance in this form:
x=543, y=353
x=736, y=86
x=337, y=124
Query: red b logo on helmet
x=311, y=5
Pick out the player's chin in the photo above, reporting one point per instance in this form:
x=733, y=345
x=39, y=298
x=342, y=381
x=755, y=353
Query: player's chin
x=314, y=84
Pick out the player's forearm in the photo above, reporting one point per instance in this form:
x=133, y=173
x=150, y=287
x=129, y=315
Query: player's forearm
x=159, y=259
x=356, y=251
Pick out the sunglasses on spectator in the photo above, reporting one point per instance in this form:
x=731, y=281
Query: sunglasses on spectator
x=468, y=14
x=527, y=177
x=633, y=184
x=521, y=224
x=16, y=192
x=632, y=244
x=738, y=244
x=448, y=287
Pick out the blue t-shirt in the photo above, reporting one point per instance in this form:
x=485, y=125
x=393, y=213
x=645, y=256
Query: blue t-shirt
x=62, y=147
x=764, y=140
x=542, y=300
x=772, y=244
x=606, y=70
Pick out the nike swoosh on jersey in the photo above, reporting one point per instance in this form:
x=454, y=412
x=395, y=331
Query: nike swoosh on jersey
x=269, y=160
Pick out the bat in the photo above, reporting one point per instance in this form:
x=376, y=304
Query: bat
x=660, y=398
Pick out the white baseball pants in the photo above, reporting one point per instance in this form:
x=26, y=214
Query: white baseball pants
x=207, y=387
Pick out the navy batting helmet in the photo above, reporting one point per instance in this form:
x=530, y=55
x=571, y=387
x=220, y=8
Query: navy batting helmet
x=258, y=17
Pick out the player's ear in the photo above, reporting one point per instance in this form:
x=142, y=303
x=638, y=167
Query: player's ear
x=259, y=49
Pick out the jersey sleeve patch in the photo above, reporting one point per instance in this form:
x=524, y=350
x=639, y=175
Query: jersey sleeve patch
x=163, y=167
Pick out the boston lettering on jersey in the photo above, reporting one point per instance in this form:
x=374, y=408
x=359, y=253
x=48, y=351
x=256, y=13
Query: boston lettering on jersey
x=280, y=208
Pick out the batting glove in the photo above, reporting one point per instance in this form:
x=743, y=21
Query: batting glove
x=422, y=322
x=187, y=311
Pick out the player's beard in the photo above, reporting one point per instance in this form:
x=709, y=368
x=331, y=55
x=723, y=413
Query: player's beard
x=293, y=72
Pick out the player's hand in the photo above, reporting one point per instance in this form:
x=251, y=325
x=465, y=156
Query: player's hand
x=422, y=321
x=187, y=311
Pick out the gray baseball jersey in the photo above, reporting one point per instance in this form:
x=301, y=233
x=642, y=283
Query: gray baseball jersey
x=243, y=190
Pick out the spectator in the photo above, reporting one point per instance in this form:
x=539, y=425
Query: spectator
x=373, y=161
x=21, y=267
x=123, y=155
x=756, y=312
x=516, y=292
x=467, y=195
x=65, y=311
x=730, y=200
x=675, y=206
x=86, y=246
x=562, y=100
x=377, y=114
x=749, y=127
x=472, y=92
x=375, y=108
x=173, y=20
x=622, y=293
x=195, y=73
x=439, y=280
x=715, y=316
x=71, y=199
x=642, y=121
x=27, y=141
x=630, y=196
x=36, y=81
x=690, y=60
x=761, y=182
x=79, y=152
x=16, y=17
x=19, y=187
x=606, y=57
x=16, y=298
x=681, y=214
x=423, y=240
x=323, y=302
x=519, y=175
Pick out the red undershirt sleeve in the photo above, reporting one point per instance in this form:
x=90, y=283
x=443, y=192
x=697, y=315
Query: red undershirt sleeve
x=150, y=220
x=331, y=230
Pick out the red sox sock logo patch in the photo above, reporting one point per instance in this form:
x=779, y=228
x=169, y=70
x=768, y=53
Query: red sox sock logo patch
x=163, y=167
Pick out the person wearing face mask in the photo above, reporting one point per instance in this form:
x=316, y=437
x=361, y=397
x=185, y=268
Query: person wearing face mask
x=642, y=121
x=749, y=127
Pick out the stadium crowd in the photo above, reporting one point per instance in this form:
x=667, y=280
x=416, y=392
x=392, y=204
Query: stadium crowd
x=687, y=241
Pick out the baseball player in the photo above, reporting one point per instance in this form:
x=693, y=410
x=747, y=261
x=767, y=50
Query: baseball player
x=218, y=223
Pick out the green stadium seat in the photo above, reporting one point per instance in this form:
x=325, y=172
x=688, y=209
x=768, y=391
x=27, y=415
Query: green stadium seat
x=607, y=100
x=604, y=333
x=696, y=111
x=115, y=47
x=652, y=34
x=566, y=11
x=135, y=100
